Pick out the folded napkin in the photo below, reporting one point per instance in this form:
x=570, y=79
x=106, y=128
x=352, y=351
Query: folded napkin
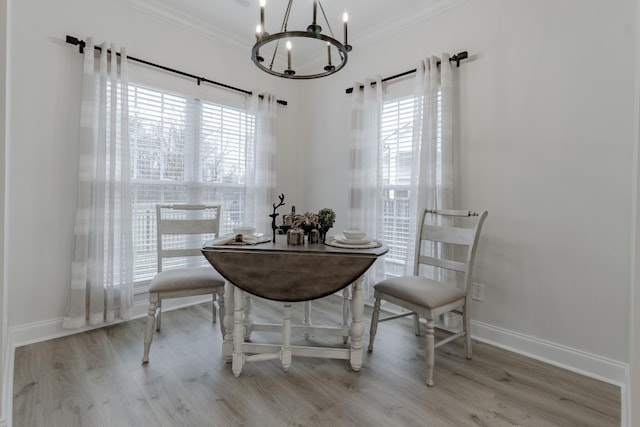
x=247, y=239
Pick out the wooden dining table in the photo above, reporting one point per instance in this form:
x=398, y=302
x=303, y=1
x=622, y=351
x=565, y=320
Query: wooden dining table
x=290, y=273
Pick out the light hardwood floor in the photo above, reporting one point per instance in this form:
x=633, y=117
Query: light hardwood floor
x=96, y=379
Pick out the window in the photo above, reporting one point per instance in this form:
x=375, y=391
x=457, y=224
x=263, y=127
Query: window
x=397, y=153
x=183, y=150
x=396, y=136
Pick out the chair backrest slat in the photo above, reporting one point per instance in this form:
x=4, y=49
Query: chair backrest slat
x=187, y=226
x=446, y=234
x=443, y=263
x=178, y=253
x=182, y=223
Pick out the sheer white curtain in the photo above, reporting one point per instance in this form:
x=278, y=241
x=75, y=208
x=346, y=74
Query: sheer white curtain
x=261, y=178
x=365, y=198
x=102, y=268
x=433, y=164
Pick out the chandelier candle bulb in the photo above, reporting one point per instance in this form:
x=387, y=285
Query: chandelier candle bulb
x=289, y=55
x=345, y=19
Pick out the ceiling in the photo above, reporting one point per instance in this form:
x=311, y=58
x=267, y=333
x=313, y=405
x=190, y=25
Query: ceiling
x=233, y=22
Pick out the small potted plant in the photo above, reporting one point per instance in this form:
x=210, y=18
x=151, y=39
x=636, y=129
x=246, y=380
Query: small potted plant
x=326, y=218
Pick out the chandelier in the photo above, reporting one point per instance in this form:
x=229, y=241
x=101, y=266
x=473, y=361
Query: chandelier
x=312, y=39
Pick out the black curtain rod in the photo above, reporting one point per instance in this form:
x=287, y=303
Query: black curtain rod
x=455, y=58
x=81, y=44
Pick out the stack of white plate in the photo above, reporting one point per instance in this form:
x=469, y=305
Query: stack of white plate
x=353, y=238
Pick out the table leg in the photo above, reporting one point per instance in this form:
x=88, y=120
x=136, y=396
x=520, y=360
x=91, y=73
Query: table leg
x=307, y=316
x=227, y=340
x=286, y=337
x=248, y=322
x=345, y=311
x=357, y=329
x=238, y=336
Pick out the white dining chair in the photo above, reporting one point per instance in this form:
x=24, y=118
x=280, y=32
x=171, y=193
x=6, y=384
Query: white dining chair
x=182, y=269
x=442, y=278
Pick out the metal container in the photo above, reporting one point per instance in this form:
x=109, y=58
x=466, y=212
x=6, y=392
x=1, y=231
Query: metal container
x=314, y=236
x=295, y=236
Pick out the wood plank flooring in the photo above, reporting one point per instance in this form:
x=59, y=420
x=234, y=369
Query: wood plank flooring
x=96, y=379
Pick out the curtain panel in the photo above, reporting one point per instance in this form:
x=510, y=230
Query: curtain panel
x=365, y=198
x=261, y=177
x=101, y=289
x=432, y=144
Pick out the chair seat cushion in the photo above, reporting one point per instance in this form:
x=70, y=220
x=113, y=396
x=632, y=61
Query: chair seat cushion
x=421, y=290
x=178, y=279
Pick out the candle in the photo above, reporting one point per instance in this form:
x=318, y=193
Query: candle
x=329, y=52
x=289, y=55
x=262, y=4
x=345, y=19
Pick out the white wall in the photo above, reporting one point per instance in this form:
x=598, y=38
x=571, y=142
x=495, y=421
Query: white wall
x=4, y=356
x=546, y=136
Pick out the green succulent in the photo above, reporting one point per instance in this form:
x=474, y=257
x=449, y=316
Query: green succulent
x=326, y=216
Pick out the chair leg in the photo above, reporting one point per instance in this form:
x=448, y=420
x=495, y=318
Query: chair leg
x=220, y=293
x=466, y=324
x=430, y=350
x=159, y=315
x=148, y=333
x=374, y=321
x=416, y=324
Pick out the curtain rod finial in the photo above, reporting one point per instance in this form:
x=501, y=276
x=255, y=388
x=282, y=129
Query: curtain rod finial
x=76, y=42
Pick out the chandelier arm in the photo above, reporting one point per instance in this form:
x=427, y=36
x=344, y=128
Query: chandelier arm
x=326, y=20
x=285, y=20
x=283, y=28
x=273, y=58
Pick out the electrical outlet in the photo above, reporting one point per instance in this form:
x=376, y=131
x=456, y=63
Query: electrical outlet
x=477, y=292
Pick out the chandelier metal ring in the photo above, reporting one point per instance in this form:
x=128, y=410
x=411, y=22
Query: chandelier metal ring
x=270, y=38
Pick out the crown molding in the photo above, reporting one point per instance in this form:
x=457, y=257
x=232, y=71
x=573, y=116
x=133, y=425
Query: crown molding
x=175, y=16
x=407, y=19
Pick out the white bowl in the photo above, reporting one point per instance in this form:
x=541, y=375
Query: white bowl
x=244, y=230
x=355, y=234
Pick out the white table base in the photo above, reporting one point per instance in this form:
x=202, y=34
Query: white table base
x=239, y=326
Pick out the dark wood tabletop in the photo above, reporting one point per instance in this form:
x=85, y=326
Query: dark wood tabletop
x=290, y=273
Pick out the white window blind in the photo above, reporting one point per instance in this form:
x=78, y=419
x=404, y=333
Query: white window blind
x=396, y=136
x=397, y=153
x=183, y=150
